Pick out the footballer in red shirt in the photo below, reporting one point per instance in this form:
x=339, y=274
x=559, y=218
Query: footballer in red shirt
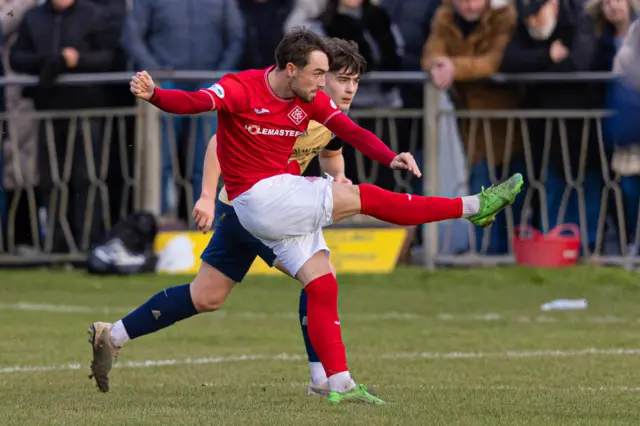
x=261, y=113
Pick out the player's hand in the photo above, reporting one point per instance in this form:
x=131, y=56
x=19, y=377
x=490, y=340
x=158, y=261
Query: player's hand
x=341, y=178
x=142, y=85
x=405, y=161
x=203, y=213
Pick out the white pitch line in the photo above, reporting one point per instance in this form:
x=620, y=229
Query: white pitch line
x=294, y=357
x=76, y=309
x=59, y=309
x=393, y=315
x=155, y=363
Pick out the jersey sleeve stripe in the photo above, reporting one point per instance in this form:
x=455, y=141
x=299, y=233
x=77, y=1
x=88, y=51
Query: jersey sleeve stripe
x=213, y=101
x=331, y=116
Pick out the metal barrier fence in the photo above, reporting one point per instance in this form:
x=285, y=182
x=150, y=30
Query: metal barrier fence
x=152, y=160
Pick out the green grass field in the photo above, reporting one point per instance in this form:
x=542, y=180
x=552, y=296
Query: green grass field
x=456, y=347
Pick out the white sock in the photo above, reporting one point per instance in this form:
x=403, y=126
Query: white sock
x=470, y=205
x=318, y=375
x=341, y=382
x=119, y=335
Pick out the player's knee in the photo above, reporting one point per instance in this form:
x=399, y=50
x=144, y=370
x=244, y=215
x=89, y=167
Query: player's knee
x=326, y=292
x=210, y=288
x=346, y=201
x=208, y=302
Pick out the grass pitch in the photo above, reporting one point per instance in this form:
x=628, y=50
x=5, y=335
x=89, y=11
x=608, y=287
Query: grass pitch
x=455, y=347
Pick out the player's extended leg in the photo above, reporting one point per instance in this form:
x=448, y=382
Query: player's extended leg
x=225, y=261
x=288, y=212
x=408, y=210
x=206, y=293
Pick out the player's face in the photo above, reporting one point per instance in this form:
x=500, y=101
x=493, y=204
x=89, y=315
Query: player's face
x=308, y=80
x=342, y=87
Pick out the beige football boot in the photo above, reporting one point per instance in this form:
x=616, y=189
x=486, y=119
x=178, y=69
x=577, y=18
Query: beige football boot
x=318, y=390
x=105, y=353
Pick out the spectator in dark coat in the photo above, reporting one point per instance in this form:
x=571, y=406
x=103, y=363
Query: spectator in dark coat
x=204, y=35
x=612, y=19
x=413, y=20
x=265, y=21
x=63, y=36
x=66, y=36
x=371, y=28
x=558, y=36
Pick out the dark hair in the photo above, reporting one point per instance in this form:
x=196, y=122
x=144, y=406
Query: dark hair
x=345, y=55
x=297, y=45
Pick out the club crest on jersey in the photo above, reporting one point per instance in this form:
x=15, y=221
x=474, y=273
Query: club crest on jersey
x=297, y=115
x=218, y=90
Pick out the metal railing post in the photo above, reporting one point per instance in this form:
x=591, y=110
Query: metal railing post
x=147, y=184
x=431, y=168
x=151, y=160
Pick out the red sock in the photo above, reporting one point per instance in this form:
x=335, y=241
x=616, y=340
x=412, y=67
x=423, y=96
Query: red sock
x=323, y=323
x=406, y=209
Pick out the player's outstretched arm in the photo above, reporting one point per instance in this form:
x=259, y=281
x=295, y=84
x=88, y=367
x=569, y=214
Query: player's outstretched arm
x=332, y=162
x=367, y=143
x=173, y=101
x=204, y=209
x=211, y=170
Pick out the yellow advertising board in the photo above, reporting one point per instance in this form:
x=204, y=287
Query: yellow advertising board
x=353, y=250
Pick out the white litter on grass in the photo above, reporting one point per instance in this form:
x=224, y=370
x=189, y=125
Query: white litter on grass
x=565, y=305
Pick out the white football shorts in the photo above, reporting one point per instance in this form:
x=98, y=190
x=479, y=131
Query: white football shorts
x=287, y=213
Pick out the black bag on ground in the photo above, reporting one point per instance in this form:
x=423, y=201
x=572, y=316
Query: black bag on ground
x=128, y=248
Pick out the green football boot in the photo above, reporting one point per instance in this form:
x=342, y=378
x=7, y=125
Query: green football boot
x=357, y=394
x=495, y=199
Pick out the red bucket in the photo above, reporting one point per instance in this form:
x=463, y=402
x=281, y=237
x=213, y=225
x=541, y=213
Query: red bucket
x=560, y=247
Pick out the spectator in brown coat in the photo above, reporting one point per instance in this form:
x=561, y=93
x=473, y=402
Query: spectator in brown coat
x=467, y=40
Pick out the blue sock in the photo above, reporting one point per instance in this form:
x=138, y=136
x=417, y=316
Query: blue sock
x=302, y=310
x=162, y=310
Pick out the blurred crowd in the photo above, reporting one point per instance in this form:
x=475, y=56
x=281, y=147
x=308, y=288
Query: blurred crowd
x=459, y=42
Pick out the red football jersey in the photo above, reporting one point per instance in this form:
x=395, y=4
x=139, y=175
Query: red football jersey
x=257, y=129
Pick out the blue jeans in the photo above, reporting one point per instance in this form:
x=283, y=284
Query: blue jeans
x=3, y=201
x=192, y=154
x=498, y=233
x=592, y=190
x=630, y=186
